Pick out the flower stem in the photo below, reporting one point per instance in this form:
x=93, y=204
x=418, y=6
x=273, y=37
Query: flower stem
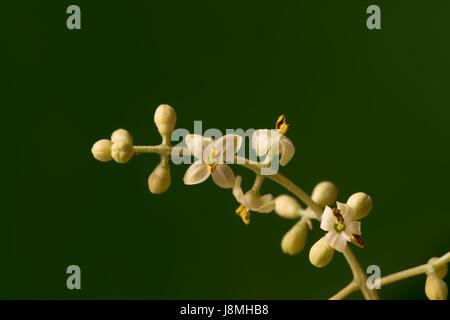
x=425, y=268
x=359, y=276
x=352, y=286
x=258, y=182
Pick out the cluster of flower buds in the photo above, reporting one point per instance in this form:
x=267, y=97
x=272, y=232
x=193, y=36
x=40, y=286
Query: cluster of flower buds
x=340, y=223
x=294, y=240
x=119, y=148
x=435, y=286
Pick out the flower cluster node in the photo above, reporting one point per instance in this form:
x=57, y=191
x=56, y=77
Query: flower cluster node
x=441, y=272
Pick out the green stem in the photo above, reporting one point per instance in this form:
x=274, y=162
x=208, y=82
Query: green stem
x=425, y=268
x=258, y=182
x=359, y=276
x=352, y=286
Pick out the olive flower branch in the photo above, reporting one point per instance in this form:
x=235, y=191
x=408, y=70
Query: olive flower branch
x=213, y=159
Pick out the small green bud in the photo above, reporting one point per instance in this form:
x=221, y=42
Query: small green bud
x=324, y=193
x=441, y=271
x=101, y=150
x=321, y=253
x=121, y=135
x=435, y=288
x=287, y=207
x=165, y=119
x=295, y=239
x=122, y=151
x=159, y=179
x=361, y=203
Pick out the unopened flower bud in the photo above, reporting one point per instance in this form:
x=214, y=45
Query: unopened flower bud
x=121, y=135
x=122, y=151
x=287, y=207
x=435, y=288
x=321, y=253
x=165, y=118
x=159, y=179
x=441, y=271
x=324, y=193
x=102, y=150
x=295, y=239
x=361, y=203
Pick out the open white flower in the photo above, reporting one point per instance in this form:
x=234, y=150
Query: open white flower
x=212, y=156
x=251, y=201
x=341, y=227
x=264, y=140
x=274, y=142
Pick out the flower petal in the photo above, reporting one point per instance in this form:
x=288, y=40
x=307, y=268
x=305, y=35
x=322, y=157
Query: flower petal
x=346, y=212
x=227, y=146
x=196, y=144
x=196, y=173
x=287, y=150
x=267, y=204
x=328, y=220
x=223, y=176
x=353, y=227
x=336, y=240
x=261, y=141
x=237, y=190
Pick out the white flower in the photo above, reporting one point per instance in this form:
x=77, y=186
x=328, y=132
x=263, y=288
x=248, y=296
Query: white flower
x=212, y=156
x=265, y=141
x=341, y=227
x=251, y=201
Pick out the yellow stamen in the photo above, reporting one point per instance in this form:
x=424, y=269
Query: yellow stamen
x=357, y=240
x=211, y=167
x=281, y=124
x=244, y=213
x=239, y=209
x=212, y=153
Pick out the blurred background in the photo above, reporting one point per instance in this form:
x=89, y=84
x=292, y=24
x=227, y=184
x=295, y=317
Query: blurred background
x=369, y=110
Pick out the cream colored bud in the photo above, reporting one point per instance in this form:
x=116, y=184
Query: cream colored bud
x=435, y=288
x=295, y=239
x=165, y=118
x=361, y=203
x=121, y=135
x=441, y=272
x=324, y=193
x=102, y=150
x=122, y=151
x=321, y=253
x=159, y=180
x=287, y=207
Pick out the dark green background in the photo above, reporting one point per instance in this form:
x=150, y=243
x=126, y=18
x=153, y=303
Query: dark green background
x=368, y=110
